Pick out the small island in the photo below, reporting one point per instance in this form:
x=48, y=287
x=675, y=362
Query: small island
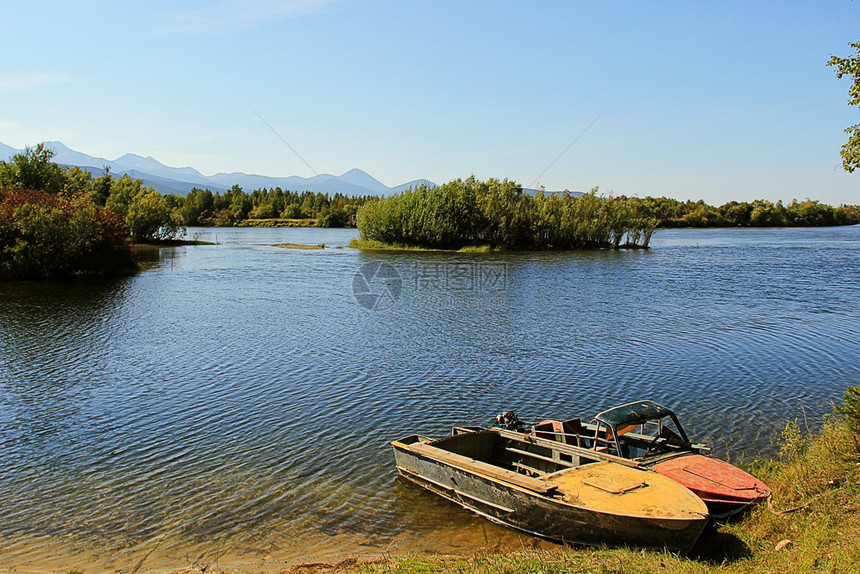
x=498, y=215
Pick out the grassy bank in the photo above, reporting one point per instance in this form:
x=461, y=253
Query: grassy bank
x=300, y=246
x=169, y=243
x=278, y=222
x=374, y=245
x=813, y=524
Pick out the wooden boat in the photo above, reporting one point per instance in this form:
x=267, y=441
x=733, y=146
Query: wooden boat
x=564, y=496
x=651, y=435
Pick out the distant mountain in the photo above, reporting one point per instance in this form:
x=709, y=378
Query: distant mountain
x=6, y=151
x=180, y=180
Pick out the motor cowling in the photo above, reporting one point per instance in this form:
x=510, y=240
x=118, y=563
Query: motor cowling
x=509, y=420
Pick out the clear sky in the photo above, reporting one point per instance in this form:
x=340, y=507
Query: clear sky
x=694, y=100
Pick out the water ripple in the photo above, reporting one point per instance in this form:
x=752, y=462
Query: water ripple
x=236, y=401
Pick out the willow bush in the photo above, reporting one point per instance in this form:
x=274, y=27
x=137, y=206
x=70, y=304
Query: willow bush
x=499, y=214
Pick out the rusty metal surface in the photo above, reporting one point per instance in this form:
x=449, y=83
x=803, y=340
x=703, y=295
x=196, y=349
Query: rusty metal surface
x=615, y=489
x=713, y=479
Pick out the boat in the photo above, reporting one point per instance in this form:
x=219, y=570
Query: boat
x=551, y=491
x=651, y=435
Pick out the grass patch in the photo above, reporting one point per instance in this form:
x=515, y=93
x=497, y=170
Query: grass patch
x=813, y=524
x=374, y=245
x=479, y=249
x=169, y=243
x=301, y=246
x=278, y=222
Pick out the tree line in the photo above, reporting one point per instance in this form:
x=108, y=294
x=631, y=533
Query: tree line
x=58, y=221
x=759, y=213
x=499, y=214
x=235, y=207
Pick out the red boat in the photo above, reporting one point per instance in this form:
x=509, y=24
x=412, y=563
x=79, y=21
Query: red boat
x=651, y=436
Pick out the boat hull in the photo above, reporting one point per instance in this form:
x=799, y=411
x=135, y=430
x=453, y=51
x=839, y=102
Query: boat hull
x=548, y=515
x=724, y=488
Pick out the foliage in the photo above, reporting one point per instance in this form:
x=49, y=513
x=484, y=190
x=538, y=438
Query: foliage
x=851, y=409
x=497, y=213
x=145, y=212
x=44, y=236
x=850, y=67
x=202, y=207
x=150, y=219
x=34, y=169
x=759, y=213
x=500, y=214
x=262, y=211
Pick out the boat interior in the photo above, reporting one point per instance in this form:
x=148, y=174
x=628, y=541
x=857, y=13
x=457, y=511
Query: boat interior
x=633, y=441
x=520, y=456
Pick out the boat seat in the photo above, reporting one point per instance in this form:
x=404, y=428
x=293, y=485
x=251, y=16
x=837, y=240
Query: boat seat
x=567, y=432
x=482, y=468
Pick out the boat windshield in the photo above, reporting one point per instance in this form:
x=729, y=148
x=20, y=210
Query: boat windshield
x=642, y=428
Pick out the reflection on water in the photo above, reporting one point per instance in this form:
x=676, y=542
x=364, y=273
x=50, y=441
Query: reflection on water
x=234, y=401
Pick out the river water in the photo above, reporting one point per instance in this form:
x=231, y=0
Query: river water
x=233, y=403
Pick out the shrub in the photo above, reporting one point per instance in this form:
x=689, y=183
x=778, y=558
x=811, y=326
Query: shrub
x=262, y=211
x=497, y=213
x=44, y=236
x=851, y=409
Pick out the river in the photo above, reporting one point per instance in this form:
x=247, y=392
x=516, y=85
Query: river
x=234, y=403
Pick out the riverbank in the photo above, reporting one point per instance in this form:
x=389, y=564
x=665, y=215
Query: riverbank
x=168, y=243
x=374, y=245
x=812, y=525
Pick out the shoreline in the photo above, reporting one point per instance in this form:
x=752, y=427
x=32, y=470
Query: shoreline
x=811, y=525
x=373, y=245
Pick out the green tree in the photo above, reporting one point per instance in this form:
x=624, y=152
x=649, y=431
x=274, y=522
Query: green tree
x=292, y=211
x=144, y=212
x=198, y=207
x=262, y=211
x=76, y=182
x=150, y=219
x=100, y=187
x=44, y=236
x=33, y=169
x=850, y=67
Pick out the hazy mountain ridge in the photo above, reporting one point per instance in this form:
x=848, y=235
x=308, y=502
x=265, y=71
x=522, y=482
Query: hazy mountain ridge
x=180, y=180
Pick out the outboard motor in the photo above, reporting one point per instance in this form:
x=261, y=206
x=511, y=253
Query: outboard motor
x=510, y=421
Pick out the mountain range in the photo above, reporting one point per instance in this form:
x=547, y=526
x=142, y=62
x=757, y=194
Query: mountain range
x=180, y=180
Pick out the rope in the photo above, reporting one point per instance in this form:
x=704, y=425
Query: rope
x=790, y=510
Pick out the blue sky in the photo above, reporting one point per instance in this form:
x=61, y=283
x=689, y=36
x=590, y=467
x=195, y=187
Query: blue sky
x=693, y=100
